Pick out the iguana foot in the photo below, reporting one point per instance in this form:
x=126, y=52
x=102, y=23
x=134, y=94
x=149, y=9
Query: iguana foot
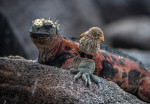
x=85, y=70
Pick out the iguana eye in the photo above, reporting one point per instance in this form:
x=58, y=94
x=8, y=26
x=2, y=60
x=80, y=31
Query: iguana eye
x=48, y=26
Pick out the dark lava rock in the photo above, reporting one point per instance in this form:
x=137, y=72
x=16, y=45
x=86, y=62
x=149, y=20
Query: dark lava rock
x=9, y=43
x=133, y=32
x=113, y=10
x=28, y=82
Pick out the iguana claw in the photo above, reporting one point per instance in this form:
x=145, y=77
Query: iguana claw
x=85, y=70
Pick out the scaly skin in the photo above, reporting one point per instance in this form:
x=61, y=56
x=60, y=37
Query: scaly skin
x=110, y=64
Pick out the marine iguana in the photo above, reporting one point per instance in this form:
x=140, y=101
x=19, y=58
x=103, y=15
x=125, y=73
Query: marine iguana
x=113, y=65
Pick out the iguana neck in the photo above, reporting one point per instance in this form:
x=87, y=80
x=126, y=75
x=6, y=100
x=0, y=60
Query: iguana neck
x=50, y=51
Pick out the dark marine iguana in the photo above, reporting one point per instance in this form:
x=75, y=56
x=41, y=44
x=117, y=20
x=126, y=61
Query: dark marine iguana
x=113, y=65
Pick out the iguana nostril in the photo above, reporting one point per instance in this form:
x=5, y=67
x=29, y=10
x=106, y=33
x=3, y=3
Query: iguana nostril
x=38, y=28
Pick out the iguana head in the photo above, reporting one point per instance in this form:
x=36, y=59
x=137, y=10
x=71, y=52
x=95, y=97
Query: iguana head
x=44, y=32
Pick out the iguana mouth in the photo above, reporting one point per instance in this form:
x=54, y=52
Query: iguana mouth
x=39, y=35
x=43, y=28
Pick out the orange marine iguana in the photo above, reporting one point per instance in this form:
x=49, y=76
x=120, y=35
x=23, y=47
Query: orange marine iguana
x=113, y=65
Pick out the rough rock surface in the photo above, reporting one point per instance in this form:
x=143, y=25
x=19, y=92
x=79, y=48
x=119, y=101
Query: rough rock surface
x=26, y=81
x=74, y=17
x=129, y=33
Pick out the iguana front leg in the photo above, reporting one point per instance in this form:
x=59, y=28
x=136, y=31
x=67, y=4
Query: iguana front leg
x=85, y=70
